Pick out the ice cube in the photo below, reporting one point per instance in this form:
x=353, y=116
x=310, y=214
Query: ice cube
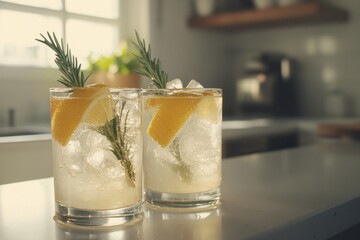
x=162, y=155
x=73, y=157
x=96, y=158
x=194, y=84
x=89, y=140
x=132, y=109
x=111, y=167
x=115, y=171
x=104, y=161
x=174, y=84
x=127, y=95
x=199, y=140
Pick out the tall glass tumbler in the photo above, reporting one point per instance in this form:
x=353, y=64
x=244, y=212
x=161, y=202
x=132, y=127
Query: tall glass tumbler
x=182, y=147
x=97, y=155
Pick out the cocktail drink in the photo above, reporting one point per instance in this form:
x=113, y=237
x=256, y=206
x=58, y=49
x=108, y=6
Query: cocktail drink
x=97, y=155
x=182, y=146
x=97, y=147
x=182, y=138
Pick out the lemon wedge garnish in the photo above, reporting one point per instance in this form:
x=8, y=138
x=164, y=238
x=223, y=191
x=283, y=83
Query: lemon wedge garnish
x=91, y=104
x=173, y=111
x=208, y=109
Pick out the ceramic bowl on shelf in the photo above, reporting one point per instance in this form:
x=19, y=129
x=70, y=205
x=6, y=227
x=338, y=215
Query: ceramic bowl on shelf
x=204, y=7
x=264, y=4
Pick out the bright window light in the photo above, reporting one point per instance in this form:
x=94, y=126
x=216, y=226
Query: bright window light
x=103, y=8
x=87, y=38
x=88, y=26
x=51, y=4
x=17, y=41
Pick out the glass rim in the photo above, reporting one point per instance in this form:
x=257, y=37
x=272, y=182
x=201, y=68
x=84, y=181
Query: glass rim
x=112, y=89
x=191, y=90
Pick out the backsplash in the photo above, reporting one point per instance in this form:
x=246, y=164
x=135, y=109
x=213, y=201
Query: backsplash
x=327, y=57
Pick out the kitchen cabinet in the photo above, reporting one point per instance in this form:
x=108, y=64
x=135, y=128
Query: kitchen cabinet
x=305, y=13
x=257, y=144
x=25, y=158
x=242, y=137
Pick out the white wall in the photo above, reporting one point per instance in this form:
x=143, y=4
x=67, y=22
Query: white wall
x=187, y=53
x=328, y=55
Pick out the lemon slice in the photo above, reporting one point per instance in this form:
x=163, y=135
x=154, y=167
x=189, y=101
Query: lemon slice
x=102, y=110
x=91, y=104
x=173, y=112
x=208, y=109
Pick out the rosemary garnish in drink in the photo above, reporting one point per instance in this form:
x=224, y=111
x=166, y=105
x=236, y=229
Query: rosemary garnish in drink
x=72, y=76
x=115, y=132
x=151, y=68
x=181, y=167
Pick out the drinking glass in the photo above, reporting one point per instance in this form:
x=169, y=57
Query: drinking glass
x=182, y=147
x=97, y=155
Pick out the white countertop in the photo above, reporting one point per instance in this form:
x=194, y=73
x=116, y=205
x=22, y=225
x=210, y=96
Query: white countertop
x=305, y=193
x=26, y=133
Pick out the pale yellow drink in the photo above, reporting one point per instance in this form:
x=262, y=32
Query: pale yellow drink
x=182, y=146
x=97, y=155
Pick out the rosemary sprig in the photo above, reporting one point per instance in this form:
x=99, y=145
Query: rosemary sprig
x=150, y=67
x=183, y=170
x=115, y=132
x=72, y=76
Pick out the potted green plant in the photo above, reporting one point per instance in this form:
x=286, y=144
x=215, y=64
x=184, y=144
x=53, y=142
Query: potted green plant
x=115, y=70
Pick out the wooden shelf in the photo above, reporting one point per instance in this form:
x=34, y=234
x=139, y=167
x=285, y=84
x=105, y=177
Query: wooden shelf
x=305, y=13
x=339, y=130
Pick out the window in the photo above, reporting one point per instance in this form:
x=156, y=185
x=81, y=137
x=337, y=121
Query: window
x=88, y=26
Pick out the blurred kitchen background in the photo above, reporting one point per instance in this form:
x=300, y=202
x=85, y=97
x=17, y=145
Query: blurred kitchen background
x=324, y=57
x=290, y=63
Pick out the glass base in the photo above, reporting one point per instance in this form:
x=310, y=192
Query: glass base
x=201, y=200
x=78, y=218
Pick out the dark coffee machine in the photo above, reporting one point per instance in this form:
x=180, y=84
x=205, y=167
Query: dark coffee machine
x=267, y=87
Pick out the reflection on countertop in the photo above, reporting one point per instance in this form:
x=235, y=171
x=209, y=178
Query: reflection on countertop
x=156, y=224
